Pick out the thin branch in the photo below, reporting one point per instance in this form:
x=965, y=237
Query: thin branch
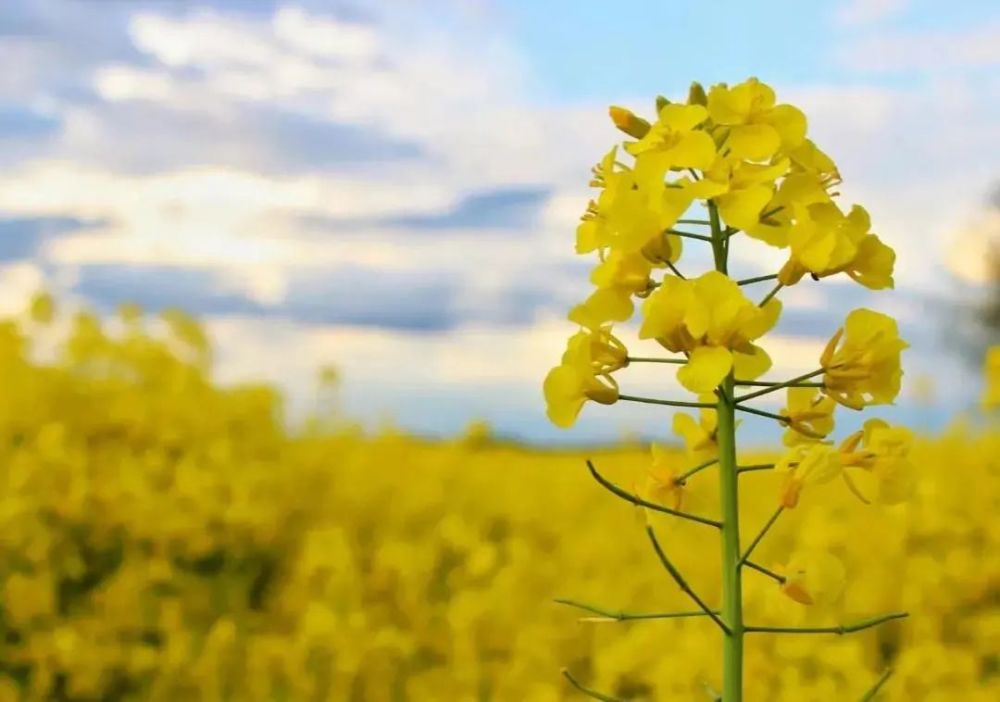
x=767, y=298
x=755, y=466
x=676, y=272
x=682, y=478
x=646, y=359
x=668, y=403
x=757, y=539
x=758, y=279
x=761, y=413
x=682, y=583
x=689, y=235
x=883, y=679
x=694, y=221
x=773, y=383
x=618, y=616
x=838, y=630
x=587, y=691
x=780, y=386
x=769, y=573
x=776, y=210
x=639, y=502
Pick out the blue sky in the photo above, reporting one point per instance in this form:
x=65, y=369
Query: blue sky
x=393, y=187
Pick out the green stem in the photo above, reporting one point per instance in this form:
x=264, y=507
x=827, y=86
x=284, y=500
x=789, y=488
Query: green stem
x=682, y=478
x=883, y=679
x=792, y=382
x=732, y=584
x=676, y=272
x=668, y=403
x=694, y=221
x=839, y=630
x=587, y=691
x=618, y=616
x=761, y=534
x=774, y=291
x=682, y=583
x=644, y=359
x=758, y=279
x=689, y=235
x=765, y=571
x=639, y=502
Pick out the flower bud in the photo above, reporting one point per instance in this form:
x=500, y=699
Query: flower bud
x=628, y=122
x=696, y=94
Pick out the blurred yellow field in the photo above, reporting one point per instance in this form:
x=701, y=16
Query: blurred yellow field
x=167, y=539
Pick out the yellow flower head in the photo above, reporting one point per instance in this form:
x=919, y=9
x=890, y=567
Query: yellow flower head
x=584, y=374
x=662, y=486
x=674, y=141
x=824, y=242
x=758, y=127
x=883, y=451
x=710, y=319
x=862, y=360
x=699, y=435
x=804, y=465
x=991, y=373
x=618, y=277
x=810, y=415
x=634, y=208
x=813, y=578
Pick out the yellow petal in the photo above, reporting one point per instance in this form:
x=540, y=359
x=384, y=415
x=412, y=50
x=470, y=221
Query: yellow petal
x=563, y=396
x=790, y=123
x=705, y=369
x=682, y=118
x=753, y=141
x=693, y=150
x=742, y=208
x=750, y=366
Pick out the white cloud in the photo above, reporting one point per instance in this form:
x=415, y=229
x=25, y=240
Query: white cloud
x=860, y=12
x=929, y=50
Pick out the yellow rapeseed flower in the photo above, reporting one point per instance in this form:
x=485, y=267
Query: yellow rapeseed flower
x=883, y=451
x=810, y=415
x=824, y=242
x=862, y=360
x=674, y=141
x=806, y=464
x=813, y=577
x=710, y=319
x=662, y=486
x=618, y=277
x=758, y=127
x=699, y=435
x=584, y=374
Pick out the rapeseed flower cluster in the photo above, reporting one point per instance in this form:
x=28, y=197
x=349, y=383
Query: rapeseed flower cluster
x=732, y=166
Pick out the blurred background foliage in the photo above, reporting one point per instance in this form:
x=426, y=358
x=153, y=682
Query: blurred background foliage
x=165, y=538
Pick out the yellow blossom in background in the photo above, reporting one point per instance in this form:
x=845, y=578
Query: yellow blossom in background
x=882, y=451
x=862, y=361
x=813, y=578
x=699, y=435
x=662, y=485
x=712, y=320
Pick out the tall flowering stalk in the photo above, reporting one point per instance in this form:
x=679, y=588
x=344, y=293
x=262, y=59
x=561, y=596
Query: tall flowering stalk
x=742, y=163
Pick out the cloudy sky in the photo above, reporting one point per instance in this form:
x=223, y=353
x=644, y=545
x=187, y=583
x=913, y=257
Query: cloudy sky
x=392, y=186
